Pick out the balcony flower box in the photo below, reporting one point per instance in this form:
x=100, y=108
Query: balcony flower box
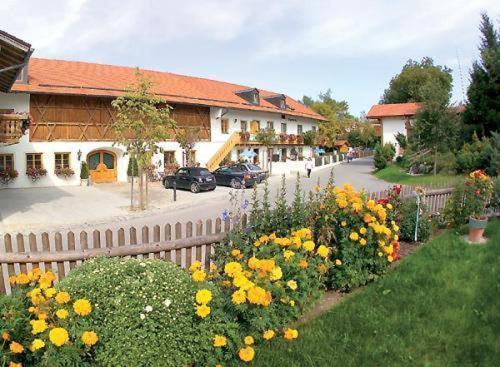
x=300, y=139
x=8, y=175
x=244, y=136
x=292, y=138
x=35, y=173
x=283, y=138
x=64, y=172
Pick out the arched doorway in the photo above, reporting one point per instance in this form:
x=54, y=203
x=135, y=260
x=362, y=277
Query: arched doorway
x=102, y=166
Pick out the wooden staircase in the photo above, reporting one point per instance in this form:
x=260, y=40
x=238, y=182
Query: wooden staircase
x=223, y=151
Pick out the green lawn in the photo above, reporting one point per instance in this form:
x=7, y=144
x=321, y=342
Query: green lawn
x=440, y=307
x=394, y=173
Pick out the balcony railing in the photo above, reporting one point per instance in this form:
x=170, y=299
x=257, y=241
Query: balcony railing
x=12, y=127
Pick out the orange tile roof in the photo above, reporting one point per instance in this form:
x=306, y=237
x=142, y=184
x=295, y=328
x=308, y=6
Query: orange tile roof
x=393, y=110
x=83, y=78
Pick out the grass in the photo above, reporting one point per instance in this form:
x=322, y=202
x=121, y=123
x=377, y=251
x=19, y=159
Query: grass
x=395, y=174
x=439, y=307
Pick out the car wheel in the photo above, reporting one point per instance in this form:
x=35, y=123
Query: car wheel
x=235, y=184
x=195, y=188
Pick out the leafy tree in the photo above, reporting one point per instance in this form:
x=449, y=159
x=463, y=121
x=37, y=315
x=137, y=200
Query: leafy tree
x=401, y=139
x=267, y=137
x=383, y=155
x=142, y=120
x=310, y=138
x=362, y=134
x=337, y=113
x=482, y=112
x=474, y=155
x=416, y=80
x=187, y=138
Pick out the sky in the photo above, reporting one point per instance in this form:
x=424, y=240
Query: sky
x=293, y=47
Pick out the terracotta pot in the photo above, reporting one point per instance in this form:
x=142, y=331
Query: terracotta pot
x=476, y=228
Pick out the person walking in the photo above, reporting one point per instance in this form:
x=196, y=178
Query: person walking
x=309, y=167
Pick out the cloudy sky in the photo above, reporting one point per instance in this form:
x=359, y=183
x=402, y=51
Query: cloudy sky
x=295, y=47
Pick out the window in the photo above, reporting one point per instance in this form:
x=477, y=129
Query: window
x=270, y=125
x=62, y=160
x=283, y=128
x=255, y=98
x=34, y=160
x=299, y=129
x=254, y=126
x=243, y=126
x=6, y=162
x=224, y=126
x=169, y=157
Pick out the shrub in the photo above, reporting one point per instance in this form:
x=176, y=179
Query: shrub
x=84, y=171
x=143, y=314
x=132, y=168
x=383, y=154
x=473, y=155
x=407, y=221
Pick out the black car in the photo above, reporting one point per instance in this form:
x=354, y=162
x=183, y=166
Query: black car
x=234, y=177
x=254, y=169
x=195, y=179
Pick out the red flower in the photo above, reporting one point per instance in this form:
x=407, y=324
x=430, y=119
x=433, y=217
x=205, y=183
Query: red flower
x=478, y=192
x=397, y=189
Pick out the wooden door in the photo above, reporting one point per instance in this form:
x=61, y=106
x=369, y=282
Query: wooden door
x=102, y=166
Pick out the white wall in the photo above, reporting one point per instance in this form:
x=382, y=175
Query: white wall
x=17, y=101
x=390, y=127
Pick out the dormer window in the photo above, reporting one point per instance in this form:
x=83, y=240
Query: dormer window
x=250, y=95
x=279, y=100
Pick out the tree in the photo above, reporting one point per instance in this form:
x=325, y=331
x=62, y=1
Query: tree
x=362, y=134
x=267, y=137
x=187, y=138
x=310, y=138
x=337, y=113
x=482, y=112
x=416, y=80
x=142, y=120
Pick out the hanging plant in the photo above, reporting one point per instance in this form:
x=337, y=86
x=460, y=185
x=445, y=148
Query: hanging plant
x=35, y=173
x=8, y=175
x=64, y=172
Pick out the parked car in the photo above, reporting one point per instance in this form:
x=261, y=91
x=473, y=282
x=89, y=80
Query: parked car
x=252, y=168
x=195, y=179
x=235, y=177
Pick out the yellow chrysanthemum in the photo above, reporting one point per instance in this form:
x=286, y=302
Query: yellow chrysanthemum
x=338, y=262
x=232, y=268
x=235, y=253
x=203, y=311
x=195, y=266
x=203, y=296
x=259, y=296
x=58, y=336
x=62, y=298
x=291, y=334
x=37, y=344
x=199, y=276
x=303, y=264
x=16, y=348
x=82, y=307
x=323, y=251
x=246, y=354
x=62, y=313
x=239, y=297
x=22, y=279
x=253, y=263
x=268, y=334
x=362, y=230
x=288, y=255
x=219, y=341
x=89, y=338
x=354, y=236
x=362, y=241
x=38, y=326
x=276, y=274
x=249, y=340
x=50, y=292
x=308, y=246
x=292, y=284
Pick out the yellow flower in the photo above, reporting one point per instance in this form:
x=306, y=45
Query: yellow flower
x=291, y=334
x=199, y=275
x=37, y=344
x=232, y=268
x=338, y=262
x=292, y=284
x=62, y=314
x=246, y=354
x=195, y=266
x=203, y=296
x=213, y=268
x=367, y=218
x=257, y=243
x=62, y=298
x=42, y=315
x=288, y=255
x=89, y=338
x=22, y=279
x=390, y=258
x=253, y=263
x=268, y=334
x=389, y=206
x=38, y=326
x=362, y=242
x=82, y=307
x=308, y=246
x=343, y=223
x=219, y=341
x=13, y=364
x=380, y=254
x=239, y=297
x=354, y=236
x=58, y=336
x=267, y=265
x=276, y=273
x=362, y=230
x=322, y=269
x=303, y=264
x=16, y=348
x=248, y=340
x=292, y=303
x=50, y=292
x=259, y=296
x=203, y=311
x=395, y=228
x=235, y=252
x=396, y=237
x=12, y=280
x=323, y=251
x=6, y=336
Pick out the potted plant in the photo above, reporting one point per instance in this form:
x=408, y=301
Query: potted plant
x=244, y=136
x=64, y=172
x=283, y=138
x=478, y=191
x=35, y=173
x=8, y=175
x=84, y=174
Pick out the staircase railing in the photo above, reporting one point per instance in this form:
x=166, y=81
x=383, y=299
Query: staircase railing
x=11, y=128
x=223, y=151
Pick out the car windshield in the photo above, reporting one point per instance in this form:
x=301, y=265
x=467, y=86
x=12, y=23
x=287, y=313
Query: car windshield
x=200, y=172
x=254, y=167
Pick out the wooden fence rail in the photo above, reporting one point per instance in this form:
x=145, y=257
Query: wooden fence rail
x=180, y=243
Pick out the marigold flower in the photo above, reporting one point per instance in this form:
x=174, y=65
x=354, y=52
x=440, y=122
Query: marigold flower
x=58, y=336
x=82, y=307
x=232, y=268
x=323, y=251
x=62, y=313
x=389, y=206
x=199, y=276
x=50, y=292
x=38, y=326
x=390, y=258
x=249, y=340
x=303, y=264
x=239, y=297
x=89, y=338
x=13, y=364
x=259, y=296
x=291, y=334
x=6, y=336
x=362, y=241
x=22, y=279
x=16, y=348
x=276, y=274
x=268, y=334
x=354, y=236
x=343, y=223
x=12, y=280
x=308, y=246
x=219, y=341
x=338, y=262
x=203, y=311
x=396, y=237
x=253, y=263
x=37, y=344
x=362, y=230
x=322, y=269
x=292, y=284
x=246, y=354
x=203, y=296
x=288, y=255
x=195, y=266
x=292, y=303
x=62, y=298
x=235, y=252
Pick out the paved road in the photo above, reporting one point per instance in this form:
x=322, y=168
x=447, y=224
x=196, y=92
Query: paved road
x=106, y=206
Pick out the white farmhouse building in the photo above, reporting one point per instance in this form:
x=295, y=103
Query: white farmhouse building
x=69, y=105
x=393, y=119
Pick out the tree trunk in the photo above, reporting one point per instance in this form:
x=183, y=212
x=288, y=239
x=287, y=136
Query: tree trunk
x=435, y=162
x=147, y=189
x=132, y=190
x=141, y=188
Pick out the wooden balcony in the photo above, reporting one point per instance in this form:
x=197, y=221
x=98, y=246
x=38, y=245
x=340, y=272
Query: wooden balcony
x=12, y=127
